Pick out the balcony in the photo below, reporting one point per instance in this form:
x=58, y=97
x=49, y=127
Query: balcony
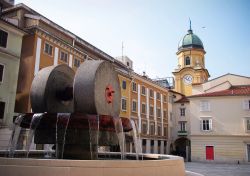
x=182, y=133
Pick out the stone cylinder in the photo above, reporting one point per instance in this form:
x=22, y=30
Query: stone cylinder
x=51, y=90
x=96, y=89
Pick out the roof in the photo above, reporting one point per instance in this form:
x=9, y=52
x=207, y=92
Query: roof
x=190, y=40
x=242, y=90
x=227, y=75
x=182, y=100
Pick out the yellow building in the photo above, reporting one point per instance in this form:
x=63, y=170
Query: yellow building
x=191, y=68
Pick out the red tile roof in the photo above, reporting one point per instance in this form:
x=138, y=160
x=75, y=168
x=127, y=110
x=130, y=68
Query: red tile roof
x=232, y=91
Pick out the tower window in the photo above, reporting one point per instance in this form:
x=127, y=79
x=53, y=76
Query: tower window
x=187, y=60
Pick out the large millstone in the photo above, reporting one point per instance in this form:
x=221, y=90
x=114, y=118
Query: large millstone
x=51, y=90
x=97, y=89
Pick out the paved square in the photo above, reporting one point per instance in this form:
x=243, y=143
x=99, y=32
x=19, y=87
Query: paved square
x=208, y=169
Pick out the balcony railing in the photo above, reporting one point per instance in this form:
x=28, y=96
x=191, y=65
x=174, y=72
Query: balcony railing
x=182, y=133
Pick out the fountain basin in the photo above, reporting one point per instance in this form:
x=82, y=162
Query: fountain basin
x=164, y=165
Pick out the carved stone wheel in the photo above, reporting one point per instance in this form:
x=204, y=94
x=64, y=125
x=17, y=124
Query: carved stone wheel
x=51, y=90
x=96, y=89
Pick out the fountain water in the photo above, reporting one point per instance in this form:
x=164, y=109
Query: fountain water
x=33, y=125
x=81, y=115
x=15, y=136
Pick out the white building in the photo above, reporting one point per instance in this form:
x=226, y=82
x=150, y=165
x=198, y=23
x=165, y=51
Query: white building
x=220, y=120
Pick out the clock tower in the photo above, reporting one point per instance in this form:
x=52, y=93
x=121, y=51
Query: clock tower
x=191, y=68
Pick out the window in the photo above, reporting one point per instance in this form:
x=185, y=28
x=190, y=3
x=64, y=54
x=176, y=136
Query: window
x=182, y=126
x=134, y=105
x=143, y=90
x=246, y=104
x=152, y=129
x=204, y=106
x=64, y=56
x=165, y=98
x=248, y=124
x=143, y=108
x=144, y=128
x=165, y=131
x=182, y=111
x=124, y=104
x=48, y=49
x=187, y=60
x=159, y=130
x=164, y=114
x=158, y=96
x=151, y=93
x=158, y=112
x=2, y=108
x=124, y=84
x=134, y=87
x=3, y=38
x=151, y=111
x=77, y=62
x=1, y=72
x=206, y=124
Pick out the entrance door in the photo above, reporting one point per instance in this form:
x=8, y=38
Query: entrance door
x=209, y=153
x=248, y=152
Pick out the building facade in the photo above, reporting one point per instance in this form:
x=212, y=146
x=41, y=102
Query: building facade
x=220, y=120
x=10, y=51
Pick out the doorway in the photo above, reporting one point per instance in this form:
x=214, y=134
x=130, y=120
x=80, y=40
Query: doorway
x=209, y=152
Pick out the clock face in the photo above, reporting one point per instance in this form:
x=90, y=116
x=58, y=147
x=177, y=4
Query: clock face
x=187, y=79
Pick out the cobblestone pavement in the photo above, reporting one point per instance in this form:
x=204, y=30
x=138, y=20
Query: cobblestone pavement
x=208, y=169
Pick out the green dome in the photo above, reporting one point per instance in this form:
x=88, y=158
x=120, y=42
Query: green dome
x=190, y=40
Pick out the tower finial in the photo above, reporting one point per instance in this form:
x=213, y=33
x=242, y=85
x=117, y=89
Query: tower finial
x=190, y=27
x=190, y=24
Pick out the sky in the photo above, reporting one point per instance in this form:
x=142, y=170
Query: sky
x=150, y=30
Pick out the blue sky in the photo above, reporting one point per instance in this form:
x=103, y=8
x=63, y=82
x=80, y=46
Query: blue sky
x=152, y=29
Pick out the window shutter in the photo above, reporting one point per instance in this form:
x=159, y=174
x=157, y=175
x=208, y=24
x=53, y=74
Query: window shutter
x=210, y=124
x=201, y=125
x=245, y=104
x=208, y=106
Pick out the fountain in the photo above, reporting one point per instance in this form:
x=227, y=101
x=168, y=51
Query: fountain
x=77, y=127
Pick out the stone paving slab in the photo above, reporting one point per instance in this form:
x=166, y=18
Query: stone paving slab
x=215, y=169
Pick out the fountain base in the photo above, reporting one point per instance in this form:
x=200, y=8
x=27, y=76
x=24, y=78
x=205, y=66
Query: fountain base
x=158, y=165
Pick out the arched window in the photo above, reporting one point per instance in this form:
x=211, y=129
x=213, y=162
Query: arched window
x=187, y=60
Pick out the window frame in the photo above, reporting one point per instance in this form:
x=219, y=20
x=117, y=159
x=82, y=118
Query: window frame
x=209, y=124
x=182, y=125
x=65, y=53
x=124, y=84
x=182, y=112
x=246, y=105
x=158, y=96
x=143, y=90
x=6, y=39
x=134, y=87
x=124, y=99
x=2, y=79
x=205, y=107
x=151, y=93
x=151, y=110
x=134, y=110
x=44, y=50
x=158, y=112
x=187, y=59
x=78, y=59
x=143, y=104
